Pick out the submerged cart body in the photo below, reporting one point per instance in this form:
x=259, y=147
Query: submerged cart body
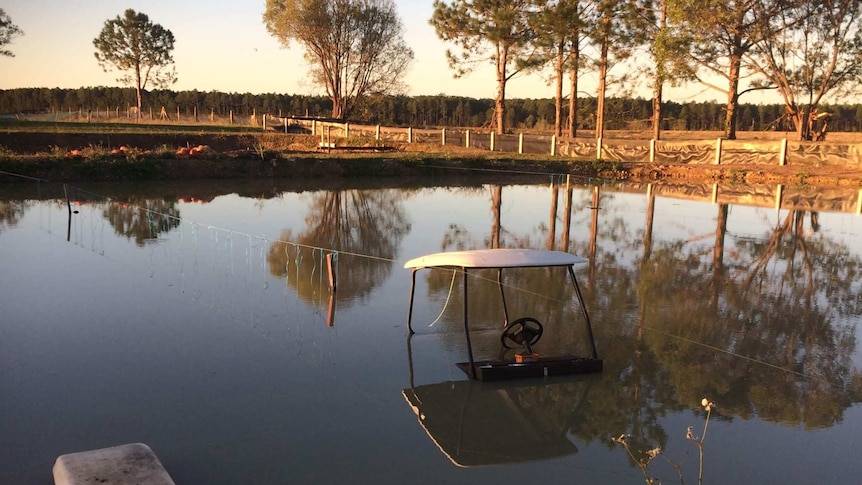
x=523, y=331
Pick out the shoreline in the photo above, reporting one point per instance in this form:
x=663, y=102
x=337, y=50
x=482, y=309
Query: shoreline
x=89, y=156
x=314, y=166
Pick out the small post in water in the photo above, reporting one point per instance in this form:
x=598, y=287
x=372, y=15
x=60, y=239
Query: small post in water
x=331, y=271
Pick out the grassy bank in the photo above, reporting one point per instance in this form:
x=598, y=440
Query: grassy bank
x=128, y=151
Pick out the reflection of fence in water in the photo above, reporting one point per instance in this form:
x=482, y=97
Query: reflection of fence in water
x=808, y=198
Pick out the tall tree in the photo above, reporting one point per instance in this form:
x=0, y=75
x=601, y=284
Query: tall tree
x=8, y=31
x=819, y=53
x=660, y=52
x=614, y=32
x=668, y=49
x=138, y=47
x=558, y=26
x=721, y=35
x=477, y=26
x=355, y=47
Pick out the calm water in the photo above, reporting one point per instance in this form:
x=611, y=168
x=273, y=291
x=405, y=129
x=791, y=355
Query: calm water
x=198, y=319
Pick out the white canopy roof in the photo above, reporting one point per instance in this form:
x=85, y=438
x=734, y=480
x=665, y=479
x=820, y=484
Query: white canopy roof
x=495, y=258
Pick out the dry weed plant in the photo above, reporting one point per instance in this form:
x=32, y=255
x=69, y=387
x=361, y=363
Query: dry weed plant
x=648, y=456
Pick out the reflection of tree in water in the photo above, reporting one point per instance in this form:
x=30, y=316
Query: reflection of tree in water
x=142, y=219
x=370, y=223
x=633, y=393
x=755, y=325
x=768, y=345
x=11, y=212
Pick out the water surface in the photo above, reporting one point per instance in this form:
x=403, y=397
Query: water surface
x=198, y=318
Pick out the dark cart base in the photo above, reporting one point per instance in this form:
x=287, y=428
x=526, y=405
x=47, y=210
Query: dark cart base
x=496, y=370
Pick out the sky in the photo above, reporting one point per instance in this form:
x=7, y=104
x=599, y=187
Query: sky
x=223, y=46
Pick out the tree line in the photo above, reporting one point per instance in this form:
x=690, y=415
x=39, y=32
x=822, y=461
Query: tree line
x=809, y=52
x=417, y=111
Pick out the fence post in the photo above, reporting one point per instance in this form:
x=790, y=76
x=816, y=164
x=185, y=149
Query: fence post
x=443, y=137
x=264, y=122
x=377, y=133
x=467, y=139
x=313, y=127
x=492, y=141
x=346, y=130
x=196, y=113
x=652, y=150
x=553, y=145
x=599, y=148
x=409, y=134
x=520, y=143
x=178, y=112
x=331, y=271
x=230, y=117
x=779, y=194
x=718, y=151
x=714, y=193
x=782, y=156
x=212, y=114
x=285, y=124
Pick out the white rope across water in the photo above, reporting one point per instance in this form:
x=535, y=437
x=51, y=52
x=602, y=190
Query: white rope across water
x=322, y=251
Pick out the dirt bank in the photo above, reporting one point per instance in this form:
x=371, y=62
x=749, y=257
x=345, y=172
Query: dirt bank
x=89, y=157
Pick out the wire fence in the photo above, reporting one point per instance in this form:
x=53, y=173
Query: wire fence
x=335, y=135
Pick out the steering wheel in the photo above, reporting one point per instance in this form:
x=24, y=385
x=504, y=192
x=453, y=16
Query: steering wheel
x=523, y=332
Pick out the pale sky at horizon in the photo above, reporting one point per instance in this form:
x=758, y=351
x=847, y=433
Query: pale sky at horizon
x=224, y=46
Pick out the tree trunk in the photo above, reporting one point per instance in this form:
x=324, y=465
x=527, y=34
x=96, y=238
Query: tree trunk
x=558, y=100
x=337, y=110
x=732, y=97
x=500, y=102
x=804, y=127
x=659, y=79
x=573, y=91
x=603, y=77
x=138, y=89
x=656, y=109
x=600, y=97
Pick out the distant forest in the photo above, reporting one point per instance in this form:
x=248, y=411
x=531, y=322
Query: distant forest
x=417, y=111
